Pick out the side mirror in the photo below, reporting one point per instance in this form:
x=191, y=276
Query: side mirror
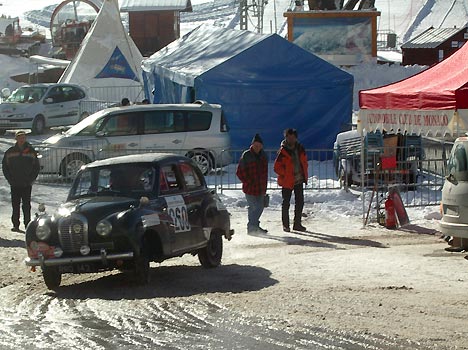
x=49, y=100
x=101, y=133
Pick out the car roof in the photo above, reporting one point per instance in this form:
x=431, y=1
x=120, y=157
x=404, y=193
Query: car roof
x=138, y=158
x=47, y=85
x=157, y=106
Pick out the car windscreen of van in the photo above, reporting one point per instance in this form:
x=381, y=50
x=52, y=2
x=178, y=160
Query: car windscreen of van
x=457, y=165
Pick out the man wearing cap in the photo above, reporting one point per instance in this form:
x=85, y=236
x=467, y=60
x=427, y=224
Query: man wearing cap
x=252, y=170
x=291, y=167
x=20, y=167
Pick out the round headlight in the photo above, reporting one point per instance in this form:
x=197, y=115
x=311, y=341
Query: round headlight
x=42, y=230
x=103, y=228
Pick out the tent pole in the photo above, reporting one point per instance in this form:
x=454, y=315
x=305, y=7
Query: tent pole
x=361, y=133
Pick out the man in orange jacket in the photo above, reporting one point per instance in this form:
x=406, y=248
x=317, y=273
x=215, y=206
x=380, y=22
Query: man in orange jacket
x=291, y=167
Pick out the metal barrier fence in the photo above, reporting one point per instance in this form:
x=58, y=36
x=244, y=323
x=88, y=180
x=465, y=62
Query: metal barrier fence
x=322, y=175
x=419, y=172
x=134, y=93
x=110, y=96
x=420, y=180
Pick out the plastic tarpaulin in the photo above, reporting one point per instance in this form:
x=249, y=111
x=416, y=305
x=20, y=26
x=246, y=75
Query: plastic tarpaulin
x=433, y=102
x=108, y=52
x=264, y=83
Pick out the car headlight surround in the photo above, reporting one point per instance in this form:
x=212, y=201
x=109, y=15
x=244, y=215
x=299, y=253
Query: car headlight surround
x=103, y=228
x=42, y=230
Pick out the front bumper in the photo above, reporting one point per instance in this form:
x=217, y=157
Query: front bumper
x=11, y=123
x=102, y=258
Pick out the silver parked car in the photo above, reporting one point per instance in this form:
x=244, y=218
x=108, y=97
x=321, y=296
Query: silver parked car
x=197, y=130
x=39, y=106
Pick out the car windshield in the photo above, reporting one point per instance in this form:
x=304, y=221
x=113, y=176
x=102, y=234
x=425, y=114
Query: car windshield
x=88, y=126
x=27, y=94
x=457, y=165
x=127, y=180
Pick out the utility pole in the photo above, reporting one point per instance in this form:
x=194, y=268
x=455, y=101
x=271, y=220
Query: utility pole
x=256, y=7
x=260, y=16
x=243, y=9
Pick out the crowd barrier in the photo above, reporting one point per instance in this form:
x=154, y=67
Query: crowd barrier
x=420, y=180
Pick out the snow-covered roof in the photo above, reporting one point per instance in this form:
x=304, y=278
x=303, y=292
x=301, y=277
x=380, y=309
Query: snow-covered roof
x=197, y=52
x=431, y=38
x=155, y=5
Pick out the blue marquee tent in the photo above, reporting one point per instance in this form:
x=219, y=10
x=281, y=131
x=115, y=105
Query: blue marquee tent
x=264, y=83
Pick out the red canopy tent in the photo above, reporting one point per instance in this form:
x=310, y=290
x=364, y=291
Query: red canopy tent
x=433, y=102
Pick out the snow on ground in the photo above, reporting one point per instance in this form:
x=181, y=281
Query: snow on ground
x=407, y=18
x=329, y=206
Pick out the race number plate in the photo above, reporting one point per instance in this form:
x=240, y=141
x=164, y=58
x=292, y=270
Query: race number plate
x=177, y=210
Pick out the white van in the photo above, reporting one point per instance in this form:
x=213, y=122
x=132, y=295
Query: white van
x=454, y=204
x=198, y=131
x=39, y=106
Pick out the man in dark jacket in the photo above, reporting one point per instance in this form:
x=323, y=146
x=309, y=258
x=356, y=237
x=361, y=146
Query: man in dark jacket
x=253, y=173
x=20, y=167
x=291, y=167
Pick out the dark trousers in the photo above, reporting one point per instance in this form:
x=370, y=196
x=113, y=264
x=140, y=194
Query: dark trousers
x=299, y=199
x=21, y=194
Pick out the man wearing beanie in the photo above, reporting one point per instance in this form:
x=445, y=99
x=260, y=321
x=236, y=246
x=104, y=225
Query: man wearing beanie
x=20, y=167
x=252, y=171
x=291, y=167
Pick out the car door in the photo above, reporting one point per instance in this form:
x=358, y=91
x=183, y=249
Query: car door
x=61, y=106
x=171, y=191
x=120, y=134
x=163, y=130
x=194, y=194
x=52, y=111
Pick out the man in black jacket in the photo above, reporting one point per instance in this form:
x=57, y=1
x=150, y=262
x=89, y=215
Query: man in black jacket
x=20, y=167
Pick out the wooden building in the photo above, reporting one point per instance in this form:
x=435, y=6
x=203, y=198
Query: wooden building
x=433, y=45
x=154, y=24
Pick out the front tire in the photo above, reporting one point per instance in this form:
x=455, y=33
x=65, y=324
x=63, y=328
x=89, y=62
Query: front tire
x=38, y=126
x=52, y=277
x=211, y=255
x=142, y=266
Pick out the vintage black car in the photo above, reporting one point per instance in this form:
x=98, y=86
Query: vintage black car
x=124, y=212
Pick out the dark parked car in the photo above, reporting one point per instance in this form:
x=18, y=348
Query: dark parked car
x=124, y=212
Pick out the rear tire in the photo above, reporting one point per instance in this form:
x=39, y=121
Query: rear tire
x=38, y=126
x=72, y=164
x=52, y=277
x=211, y=255
x=202, y=160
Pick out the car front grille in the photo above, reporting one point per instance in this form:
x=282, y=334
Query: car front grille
x=73, y=232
